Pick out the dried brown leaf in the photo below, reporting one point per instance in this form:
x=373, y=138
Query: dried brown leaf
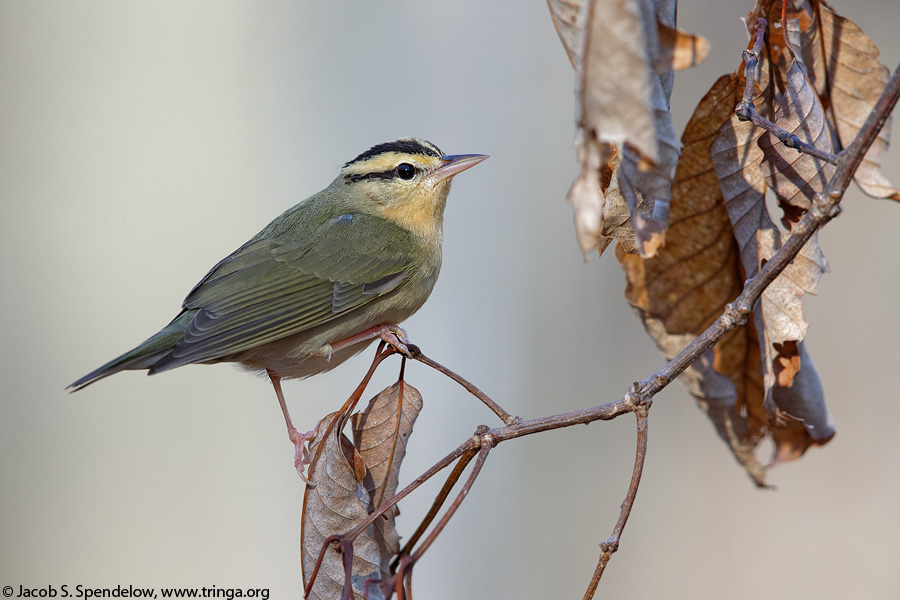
x=666, y=12
x=336, y=503
x=845, y=71
x=679, y=50
x=778, y=316
x=622, y=102
x=565, y=18
x=801, y=397
x=617, y=218
x=615, y=80
x=586, y=195
x=380, y=434
x=794, y=176
x=649, y=216
x=624, y=79
x=685, y=287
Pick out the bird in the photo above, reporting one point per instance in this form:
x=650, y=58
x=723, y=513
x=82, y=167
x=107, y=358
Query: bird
x=320, y=282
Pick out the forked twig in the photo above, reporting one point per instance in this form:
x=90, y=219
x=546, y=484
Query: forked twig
x=487, y=443
x=471, y=444
x=454, y=476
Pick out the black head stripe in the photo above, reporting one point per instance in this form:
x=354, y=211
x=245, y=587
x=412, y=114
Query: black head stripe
x=379, y=175
x=407, y=146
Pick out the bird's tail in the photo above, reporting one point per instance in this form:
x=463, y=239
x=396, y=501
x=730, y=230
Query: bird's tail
x=143, y=356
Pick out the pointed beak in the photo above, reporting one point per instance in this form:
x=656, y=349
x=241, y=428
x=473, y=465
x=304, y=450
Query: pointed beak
x=456, y=163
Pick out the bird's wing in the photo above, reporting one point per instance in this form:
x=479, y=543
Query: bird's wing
x=272, y=288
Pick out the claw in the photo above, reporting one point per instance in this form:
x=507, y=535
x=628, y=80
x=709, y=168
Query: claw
x=397, y=338
x=301, y=452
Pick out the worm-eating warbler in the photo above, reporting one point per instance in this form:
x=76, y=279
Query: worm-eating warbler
x=321, y=281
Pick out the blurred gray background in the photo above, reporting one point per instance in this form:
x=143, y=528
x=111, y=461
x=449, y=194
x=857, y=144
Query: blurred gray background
x=141, y=142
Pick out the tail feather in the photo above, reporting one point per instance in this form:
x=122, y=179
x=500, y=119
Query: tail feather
x=143, y=356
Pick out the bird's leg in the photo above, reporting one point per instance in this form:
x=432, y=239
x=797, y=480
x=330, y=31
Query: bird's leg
x=301, y=454
x=391, y=334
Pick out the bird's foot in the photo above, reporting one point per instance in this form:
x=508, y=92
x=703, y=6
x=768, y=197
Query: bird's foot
x=301, y=451
x=397, y=337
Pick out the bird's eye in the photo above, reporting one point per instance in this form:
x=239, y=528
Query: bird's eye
x=406, y=171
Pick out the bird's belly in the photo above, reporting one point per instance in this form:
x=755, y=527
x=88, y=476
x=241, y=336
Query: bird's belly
x=307, y=352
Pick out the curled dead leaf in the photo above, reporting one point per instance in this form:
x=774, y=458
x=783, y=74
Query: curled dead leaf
x=685, y=287
x=844, y=69
x=622, y=103
x=335, y=504
x=778, y=316
x=794, y=176
x=678, y=49
x=586, y=196
x=564, y=14
x=380, y=434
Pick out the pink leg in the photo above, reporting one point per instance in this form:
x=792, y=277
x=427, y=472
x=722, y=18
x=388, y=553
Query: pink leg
x=391, y=334
x=301, y=454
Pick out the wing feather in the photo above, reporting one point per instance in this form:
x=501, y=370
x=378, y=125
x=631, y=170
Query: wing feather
x=277, y=286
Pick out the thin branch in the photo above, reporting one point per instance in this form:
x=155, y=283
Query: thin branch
x=332, y=539
x=604, y=412
x=395, y=439
x=405, y=562
x=825, y=206
x=347, y=555
x=487, y=443
x=609, y=547
x=747, y=112
x=471, y=443
x=498, y=410
x=454, y=476
x=341, y=417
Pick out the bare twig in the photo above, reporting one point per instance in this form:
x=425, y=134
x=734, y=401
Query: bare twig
x=399, y=583
x=471, y=443
x=487, y=443
x=347, y=554
x=609, y=547
x=395, y=437
x=454, y=476
x=498, y=410
x=344, y=412
x=604, y=412
x=332, y=539
x=747, y=112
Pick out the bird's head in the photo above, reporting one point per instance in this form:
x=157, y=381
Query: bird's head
x=405, y=181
